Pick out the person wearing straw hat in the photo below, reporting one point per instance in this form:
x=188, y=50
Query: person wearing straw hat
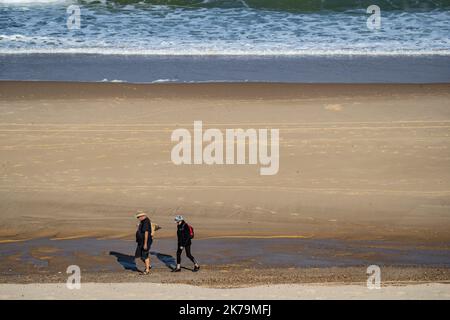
x=144, y=240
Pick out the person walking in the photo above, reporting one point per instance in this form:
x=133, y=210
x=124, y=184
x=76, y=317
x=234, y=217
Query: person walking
x=185, y=233
x=144, y=239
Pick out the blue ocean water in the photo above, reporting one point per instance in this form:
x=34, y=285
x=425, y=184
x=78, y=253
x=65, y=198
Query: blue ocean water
x=225, y=27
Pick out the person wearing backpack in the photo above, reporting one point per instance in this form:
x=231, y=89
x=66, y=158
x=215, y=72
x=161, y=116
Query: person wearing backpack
x=185, y=234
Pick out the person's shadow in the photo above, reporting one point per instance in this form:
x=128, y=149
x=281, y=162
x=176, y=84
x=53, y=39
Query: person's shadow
x=129, y=261
x=167, y=259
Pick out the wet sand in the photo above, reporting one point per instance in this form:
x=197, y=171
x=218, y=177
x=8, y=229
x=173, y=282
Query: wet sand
x=46, y=257
x=361, y=162
x=248, y=68
x=226, y=262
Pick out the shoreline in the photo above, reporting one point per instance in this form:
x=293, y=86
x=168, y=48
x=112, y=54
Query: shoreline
x=74, y=90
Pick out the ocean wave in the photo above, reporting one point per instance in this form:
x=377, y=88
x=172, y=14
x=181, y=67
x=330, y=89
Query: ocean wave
x=31, y=2
x=156, y=30
x=281, y=5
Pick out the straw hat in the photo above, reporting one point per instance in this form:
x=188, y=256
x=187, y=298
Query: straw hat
x=140, y=214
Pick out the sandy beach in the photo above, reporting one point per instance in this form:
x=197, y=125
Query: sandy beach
x=134, y=291
x=358, y=164
x=356, y=161
x=286, y=149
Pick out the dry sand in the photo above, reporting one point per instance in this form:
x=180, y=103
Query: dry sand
x=356, y=161
x=155, y=291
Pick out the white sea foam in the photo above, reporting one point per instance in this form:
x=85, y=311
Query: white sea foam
x=165, y=80
x=132, y=52
x=114, y=80
x=159, y=30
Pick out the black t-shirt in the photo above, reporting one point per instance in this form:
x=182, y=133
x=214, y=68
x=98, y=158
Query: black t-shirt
x=144, y=225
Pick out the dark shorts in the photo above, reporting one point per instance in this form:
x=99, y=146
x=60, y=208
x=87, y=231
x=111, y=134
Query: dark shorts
x=141, y=253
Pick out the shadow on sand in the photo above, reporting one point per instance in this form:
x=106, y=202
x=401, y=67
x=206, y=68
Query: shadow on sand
x=167, y=259
x=129, y=261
